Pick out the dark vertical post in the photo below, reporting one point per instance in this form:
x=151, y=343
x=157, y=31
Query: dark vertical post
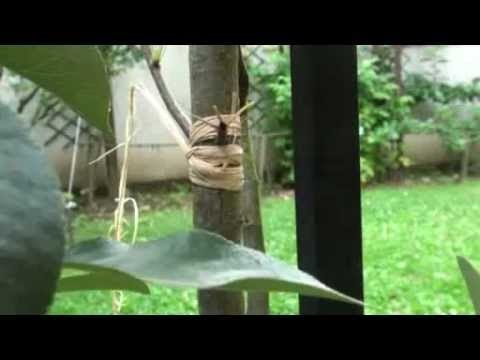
x=327, y=171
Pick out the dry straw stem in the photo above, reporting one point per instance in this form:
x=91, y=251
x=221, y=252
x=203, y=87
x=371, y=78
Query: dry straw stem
x=124, y=172
x=119, y=220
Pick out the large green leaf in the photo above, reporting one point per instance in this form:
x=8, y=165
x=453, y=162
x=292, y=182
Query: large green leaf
x=105, y=279
x=31, y=222
x=472, y=279
x=100, y=278
x=75, y=73
x=200, y=260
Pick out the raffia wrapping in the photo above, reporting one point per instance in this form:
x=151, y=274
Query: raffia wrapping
x=216, y=167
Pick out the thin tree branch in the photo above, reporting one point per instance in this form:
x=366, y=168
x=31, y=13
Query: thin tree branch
x=172, y=106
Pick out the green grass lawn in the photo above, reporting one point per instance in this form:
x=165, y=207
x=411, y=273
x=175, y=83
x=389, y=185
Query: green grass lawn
x=411, y=238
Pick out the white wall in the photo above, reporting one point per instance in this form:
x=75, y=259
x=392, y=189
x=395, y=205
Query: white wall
x=462, y=62
x=163, y=161
x=461, y=66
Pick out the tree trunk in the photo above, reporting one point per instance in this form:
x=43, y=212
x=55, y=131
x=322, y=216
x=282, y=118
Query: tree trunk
x=257, y=303
x=214, y=79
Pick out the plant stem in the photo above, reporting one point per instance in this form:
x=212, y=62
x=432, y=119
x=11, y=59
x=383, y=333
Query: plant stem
x=257, y=303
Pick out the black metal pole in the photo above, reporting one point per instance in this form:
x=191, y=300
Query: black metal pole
x=327, y=172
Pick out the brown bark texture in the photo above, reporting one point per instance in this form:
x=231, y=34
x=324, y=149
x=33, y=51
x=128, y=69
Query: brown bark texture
x=214, y=80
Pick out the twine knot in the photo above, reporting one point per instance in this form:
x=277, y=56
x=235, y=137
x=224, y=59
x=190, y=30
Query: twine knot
x=216, y=166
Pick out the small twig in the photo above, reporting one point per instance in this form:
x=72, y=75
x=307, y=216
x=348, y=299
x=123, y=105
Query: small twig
x=219, y=116
x=74, y=156
x=245, y=108
x=118, y=146
x=238, y=113
x=222, y=129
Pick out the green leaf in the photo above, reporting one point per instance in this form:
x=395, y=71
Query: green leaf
x=105, y=279
x=200, y=260
x=75, y=73
x=31, y=221
x=472, y=279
